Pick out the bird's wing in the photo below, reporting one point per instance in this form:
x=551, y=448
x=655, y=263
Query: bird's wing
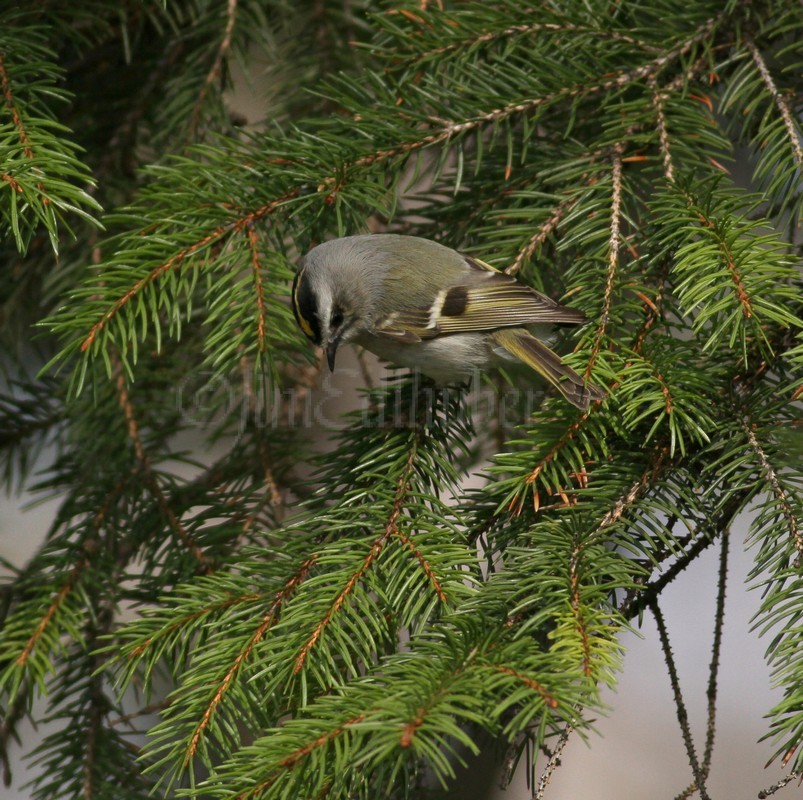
x=484, y=300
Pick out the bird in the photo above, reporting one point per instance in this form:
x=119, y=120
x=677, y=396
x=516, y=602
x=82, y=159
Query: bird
x=419, y=304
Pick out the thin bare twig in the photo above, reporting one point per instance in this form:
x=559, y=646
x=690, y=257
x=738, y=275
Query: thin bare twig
x=762, y=795
x=716, y=649
x=680, y=706
x=552, y=764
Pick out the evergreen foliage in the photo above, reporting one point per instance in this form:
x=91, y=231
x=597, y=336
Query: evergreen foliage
x=357, y=633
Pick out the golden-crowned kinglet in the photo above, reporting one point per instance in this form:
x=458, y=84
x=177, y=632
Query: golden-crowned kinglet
x=419, y=304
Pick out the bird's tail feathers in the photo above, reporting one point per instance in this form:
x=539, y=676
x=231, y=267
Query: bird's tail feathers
x=535, y=354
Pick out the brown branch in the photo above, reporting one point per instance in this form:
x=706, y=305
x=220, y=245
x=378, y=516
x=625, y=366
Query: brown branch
x=62, y=595
x=785, y=781
x=713, y=671
x=779, y=492
x=781, y=101
x=530, y=683
x=619, y=79
x=303, y=752
x=187, y=618
x=411, y=728
x=298, y=755
x=536, y=27
x=727, y=253
x=262, y=341
x=680, y=707
x=214, y=71
x=17, y=187
x=516, y=505
x=708, y=532
x=636, y=489
x=425, y=565
x=267, y=621
x=145, y=711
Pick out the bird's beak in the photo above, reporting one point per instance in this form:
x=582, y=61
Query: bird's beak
x=331, y=352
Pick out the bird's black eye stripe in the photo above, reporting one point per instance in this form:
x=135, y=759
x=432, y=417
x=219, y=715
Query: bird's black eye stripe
x=337, y=319
x=305, y=308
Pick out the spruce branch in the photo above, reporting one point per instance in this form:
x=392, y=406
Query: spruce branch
x=16, y=119
x=489, y=37
x=58, y=602
x=349, y=644
x=658, y=100
x=259, y=290
x=545, y=230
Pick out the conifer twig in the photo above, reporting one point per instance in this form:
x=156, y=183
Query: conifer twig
x=544, y=231
x=781, y=101
x=781, y=495
x=259, y=290
x=536, y=27
x=391, y=530
x=16, y=119
x=614, y=243
x=658, y=99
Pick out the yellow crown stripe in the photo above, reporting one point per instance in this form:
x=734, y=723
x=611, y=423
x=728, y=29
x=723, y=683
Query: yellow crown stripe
x=302, y=320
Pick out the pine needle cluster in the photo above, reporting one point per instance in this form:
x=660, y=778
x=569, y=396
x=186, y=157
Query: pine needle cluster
x=284, y=623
